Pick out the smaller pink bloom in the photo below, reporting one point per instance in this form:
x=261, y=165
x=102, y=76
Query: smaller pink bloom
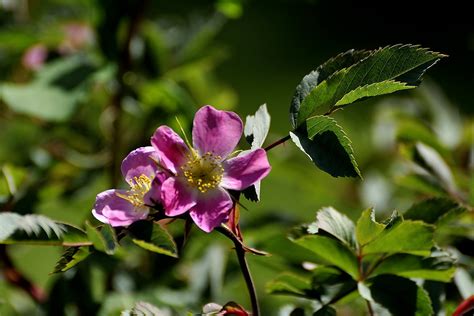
x=202, y=174
x=123, y=207
x=34, y=57
x=76, y=36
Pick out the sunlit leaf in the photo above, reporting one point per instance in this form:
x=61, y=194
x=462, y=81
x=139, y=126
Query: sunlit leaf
x=257, y=127
x=332, y=251
x=71, y=257
x=311, y=80
x=336, y=224
x=412, y=237
x=153, y=237
x=401, y=63
x=367, y=227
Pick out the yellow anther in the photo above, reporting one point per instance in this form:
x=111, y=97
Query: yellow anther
x=203, y=172
x=139, y=186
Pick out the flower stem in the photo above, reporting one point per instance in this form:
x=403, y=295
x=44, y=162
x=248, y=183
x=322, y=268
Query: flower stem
x=369, y=308
x=278, y=142
x=244, y=267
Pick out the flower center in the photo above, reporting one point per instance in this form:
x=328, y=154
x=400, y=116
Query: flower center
x=139, y=186
x=204, y=172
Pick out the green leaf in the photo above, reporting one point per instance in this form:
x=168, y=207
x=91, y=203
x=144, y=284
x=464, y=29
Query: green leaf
x=332, y=251
x=290, y=284
x=38, y=229
x=71, y=257
x=401, y=63
x=153, y=237
x=311, y=80
x=400, y=296
x=336, y=224
x=367, y=227
x=327, y=145
x=103, y=238
x=433, y=210
x=438, y=267
x=257, y=127
x=412, y=237
x=45, y=102
x=54, y=94
x=371, y=90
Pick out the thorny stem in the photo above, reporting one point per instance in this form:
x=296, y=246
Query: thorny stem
x=240, y=252
x=124, y=66
x=278, y=142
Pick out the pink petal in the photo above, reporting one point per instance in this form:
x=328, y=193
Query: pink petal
x=216, y=131
x=111, y=209
x=170, y=147
x=244, y=170
x=153, y=196
x=212, y=209
x=141, y=161
x=177, y=197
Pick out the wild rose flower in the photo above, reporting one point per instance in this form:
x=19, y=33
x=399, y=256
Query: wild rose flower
x=199, y=176
x=123, y=207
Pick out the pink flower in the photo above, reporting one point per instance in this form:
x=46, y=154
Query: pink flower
x=34, y=57
x=202, y=174
x=123, y=207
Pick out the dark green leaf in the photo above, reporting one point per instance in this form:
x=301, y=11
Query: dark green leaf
x=290, y=284
x=38, y=229
x=325, y=311
x=45, y=102
x=54, y=94
x=412, y=237
x=327, y=145
x=367, y=227
x=71, y=257
x=153, y=237
x=332, y=251
x=402, y=63
x=400, y=296
x=317, y=76
x=433, y=210
x=336, y=224
x=438, y=267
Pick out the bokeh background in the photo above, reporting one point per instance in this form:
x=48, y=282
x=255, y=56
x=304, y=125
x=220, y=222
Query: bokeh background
x=75, y=99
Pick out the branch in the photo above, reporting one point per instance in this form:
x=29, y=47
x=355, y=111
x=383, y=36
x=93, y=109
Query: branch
x=240, y=251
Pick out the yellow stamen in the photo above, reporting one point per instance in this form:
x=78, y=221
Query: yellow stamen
x=139, y=186
x=203, y=172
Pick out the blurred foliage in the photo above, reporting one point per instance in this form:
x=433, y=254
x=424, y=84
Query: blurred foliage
x=58, y=123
